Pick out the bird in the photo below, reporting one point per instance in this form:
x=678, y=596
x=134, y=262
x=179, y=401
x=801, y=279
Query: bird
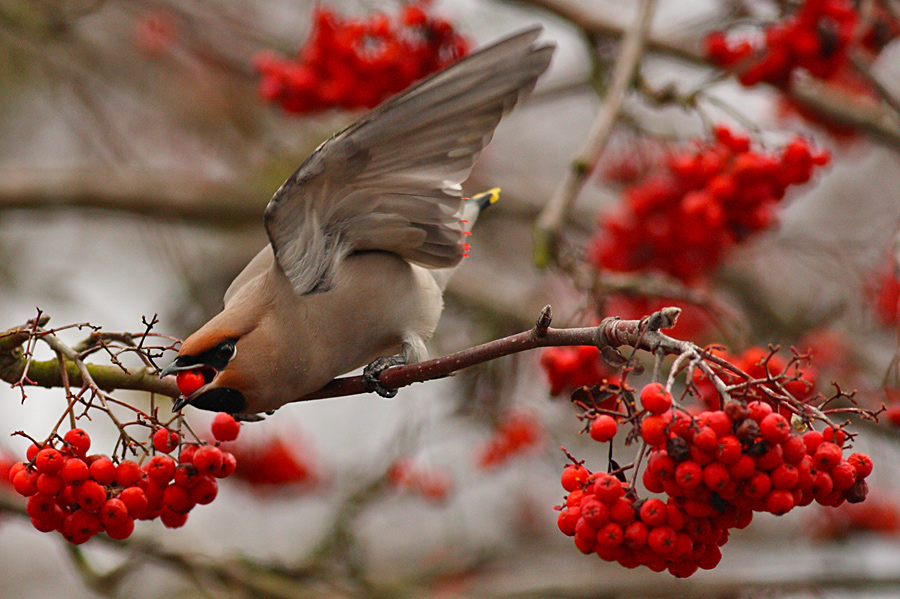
x=364, y=236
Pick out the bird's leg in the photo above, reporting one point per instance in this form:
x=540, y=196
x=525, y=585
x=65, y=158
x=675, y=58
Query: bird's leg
x=372, y=372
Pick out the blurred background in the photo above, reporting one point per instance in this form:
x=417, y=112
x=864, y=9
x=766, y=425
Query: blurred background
x=137, y=153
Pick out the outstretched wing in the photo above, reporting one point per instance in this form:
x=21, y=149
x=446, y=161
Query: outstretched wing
x=391, y=180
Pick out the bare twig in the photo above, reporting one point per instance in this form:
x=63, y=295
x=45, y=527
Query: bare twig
x=842, y=109
x=557, y=209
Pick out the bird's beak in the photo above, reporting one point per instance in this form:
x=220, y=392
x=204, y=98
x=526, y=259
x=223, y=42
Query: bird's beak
x=173, y=368
x=181, y=402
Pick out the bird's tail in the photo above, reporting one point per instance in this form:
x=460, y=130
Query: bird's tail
x=472, y=208
x=476, y=204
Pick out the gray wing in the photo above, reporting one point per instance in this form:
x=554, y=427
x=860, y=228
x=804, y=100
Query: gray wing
x=391, y=180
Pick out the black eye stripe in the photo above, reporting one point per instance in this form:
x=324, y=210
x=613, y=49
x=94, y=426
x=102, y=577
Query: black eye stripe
x=217, y=357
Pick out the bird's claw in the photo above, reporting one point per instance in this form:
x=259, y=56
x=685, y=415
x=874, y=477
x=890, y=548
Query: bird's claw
x=372, y=372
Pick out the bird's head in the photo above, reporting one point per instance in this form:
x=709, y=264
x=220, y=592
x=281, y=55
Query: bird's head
x=207, y=374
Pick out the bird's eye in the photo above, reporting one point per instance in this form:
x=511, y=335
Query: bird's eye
x=225, y=351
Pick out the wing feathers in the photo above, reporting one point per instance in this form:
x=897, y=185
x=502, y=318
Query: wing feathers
x=391, y=180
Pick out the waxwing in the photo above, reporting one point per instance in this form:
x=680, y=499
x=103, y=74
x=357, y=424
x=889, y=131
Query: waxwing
x=364, y=236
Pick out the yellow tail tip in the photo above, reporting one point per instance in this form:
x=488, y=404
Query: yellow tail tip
x=486, y=198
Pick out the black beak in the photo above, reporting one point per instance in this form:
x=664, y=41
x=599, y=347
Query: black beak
x=174, y=367
x=180, y=403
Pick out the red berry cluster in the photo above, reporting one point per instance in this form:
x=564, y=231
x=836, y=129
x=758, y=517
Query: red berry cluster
x=571, y=367
x=768, y=369
x=874, y=515
x=816, y=38
x=716, y=469
x=434, y=485
x=516, y=434
x=81, y=495
x=349, y=63
x=884, y=293
x=682, y=220
x=274, y=463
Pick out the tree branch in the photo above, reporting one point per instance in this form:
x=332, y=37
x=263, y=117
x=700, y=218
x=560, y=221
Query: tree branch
x=844, y=109
x=613, y=333
x=556, y=211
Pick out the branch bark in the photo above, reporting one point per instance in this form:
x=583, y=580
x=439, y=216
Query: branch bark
x=155, y=194
x=612, y=333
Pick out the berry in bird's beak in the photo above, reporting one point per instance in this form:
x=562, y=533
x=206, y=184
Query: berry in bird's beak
x=189, y=381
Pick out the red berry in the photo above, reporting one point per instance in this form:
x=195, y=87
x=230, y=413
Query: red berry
x=610, y=536
x=187, y=453
x=186, y=475
x=716, y=476
x=595, y=513
x=785, y=476
x=822, y=484
x=207, y=459
x=862, y=463
x=706, y=440
x=113, y=513
x=812, y=439
x=161, y=469
x=661, y=465
x=656, y=399
x=621, y=511
x=793, y=449
x=40, y=506
x=834, y=435
x=719, y=422
x=661, y=540
x=775, y=428
x=779, y=502
x=127, y=473
x=607, y=488
x=743, y=469
x=728, y=449
x=91, y=495
x=178, y=499
x=165, y=441
x=573, y=477
x=49, y=461
x=827, y=456
x=205, y=491
x=172, y=519
x=229, y=464
x=689, y=474
x=32, y=452
x=567, y=520
x=636, y=535
x=759, y=410
x=103, y=471
x=653, y=430
x=653, y=513
x=50, y=484
x=122, y=530
x=225, y=427
x=758, y=485
x=189, y=381
x=603, y=428
x=843, y=476
x=135, y=500
x=75, y=471
x=79, y=441
x=25, y=482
